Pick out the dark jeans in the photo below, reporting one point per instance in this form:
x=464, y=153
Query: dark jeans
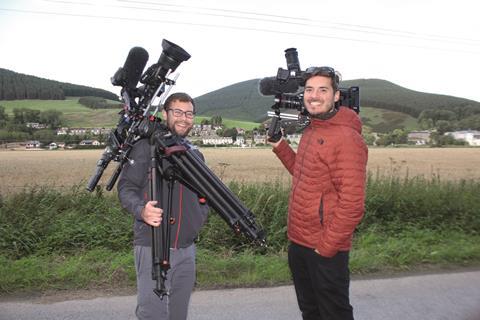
x=321, y=284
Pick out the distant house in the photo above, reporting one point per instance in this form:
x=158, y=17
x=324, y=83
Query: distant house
x=472, y=137
x=240, y=141
x=419, y=137
x=240, y=131
x=32, y=144
x=62, y=131
x=100, y=131
x=216, y=140
x=89, y=143
x=260, y=138
x=36, y=125
x=77, y=131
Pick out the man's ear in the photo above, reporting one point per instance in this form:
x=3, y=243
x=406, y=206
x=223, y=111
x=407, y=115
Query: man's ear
x=164, y=114
x=337, y=95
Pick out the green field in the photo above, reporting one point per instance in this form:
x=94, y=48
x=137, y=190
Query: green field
x=382, y=120
x=77, y=115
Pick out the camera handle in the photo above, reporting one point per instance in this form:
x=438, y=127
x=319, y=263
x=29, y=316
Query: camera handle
x=275, y=129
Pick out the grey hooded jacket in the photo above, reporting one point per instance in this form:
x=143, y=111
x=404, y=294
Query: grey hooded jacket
x=189, y=215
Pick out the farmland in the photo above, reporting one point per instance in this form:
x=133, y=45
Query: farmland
x=63, y=169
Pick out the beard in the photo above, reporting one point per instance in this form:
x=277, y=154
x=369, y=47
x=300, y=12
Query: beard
x=316, y=107
x=179, y=127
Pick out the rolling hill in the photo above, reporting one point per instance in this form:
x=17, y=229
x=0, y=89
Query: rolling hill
x=384, y=105
x=243, y=100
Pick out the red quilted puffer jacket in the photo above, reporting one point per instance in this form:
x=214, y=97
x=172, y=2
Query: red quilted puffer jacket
x=328, y=187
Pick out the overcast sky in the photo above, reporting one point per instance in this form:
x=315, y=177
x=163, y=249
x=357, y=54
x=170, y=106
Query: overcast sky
x=429, y=46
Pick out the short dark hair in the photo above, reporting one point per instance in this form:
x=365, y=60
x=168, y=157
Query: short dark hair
x=328, y=72
x=180, y=96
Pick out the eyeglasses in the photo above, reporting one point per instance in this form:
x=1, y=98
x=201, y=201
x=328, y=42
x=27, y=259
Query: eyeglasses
x=179, y=113
x=327, y=71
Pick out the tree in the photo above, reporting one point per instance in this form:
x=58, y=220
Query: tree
x=3, y=117
x=216, y=120
x=45, y=136
x=230, y=132
x=445, y=126
x=472, y=122
x=18, y=116
x=31, y=115
x=397, y=136
x=52, y=118
x=368, y=136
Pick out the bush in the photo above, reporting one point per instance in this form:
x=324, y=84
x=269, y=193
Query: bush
x=43, y=220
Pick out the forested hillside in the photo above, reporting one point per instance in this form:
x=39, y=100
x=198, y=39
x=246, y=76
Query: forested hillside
x=17, y=86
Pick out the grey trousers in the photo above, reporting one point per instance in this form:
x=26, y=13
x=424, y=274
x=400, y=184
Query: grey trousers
x=180, y=282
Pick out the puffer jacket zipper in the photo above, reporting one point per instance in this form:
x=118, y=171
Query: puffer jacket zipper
x=303, y=159
x=320, y=210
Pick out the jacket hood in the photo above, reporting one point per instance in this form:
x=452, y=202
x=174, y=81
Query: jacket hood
x=344, y=117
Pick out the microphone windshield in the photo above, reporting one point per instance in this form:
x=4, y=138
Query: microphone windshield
x=270, y=86
x=136, y=60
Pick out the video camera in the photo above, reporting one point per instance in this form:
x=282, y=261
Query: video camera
x=287, y=88
x=137, y=118
x=288, y=83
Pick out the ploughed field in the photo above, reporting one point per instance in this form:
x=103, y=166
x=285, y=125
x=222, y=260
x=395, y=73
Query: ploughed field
x=64, y=169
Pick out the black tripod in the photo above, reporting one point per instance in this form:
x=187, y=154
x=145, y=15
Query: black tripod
x=187, y=167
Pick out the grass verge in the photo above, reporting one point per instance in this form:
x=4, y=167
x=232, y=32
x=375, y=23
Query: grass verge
x=374, y=252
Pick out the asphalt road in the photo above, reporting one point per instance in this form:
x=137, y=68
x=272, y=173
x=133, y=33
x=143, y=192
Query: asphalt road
x=447, y=296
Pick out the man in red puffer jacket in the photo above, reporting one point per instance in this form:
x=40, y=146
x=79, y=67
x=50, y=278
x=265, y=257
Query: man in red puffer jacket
x=326, y=200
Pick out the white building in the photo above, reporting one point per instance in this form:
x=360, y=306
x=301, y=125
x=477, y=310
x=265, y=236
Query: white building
x=89, y=143
x=32, y=144
x=36, y=125
x=77, y=131
x=215, y=140
x=472, y=137
x=419, y=137
x=62, y=131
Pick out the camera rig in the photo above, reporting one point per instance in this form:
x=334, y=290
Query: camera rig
x=138, y=121
x=287, y=89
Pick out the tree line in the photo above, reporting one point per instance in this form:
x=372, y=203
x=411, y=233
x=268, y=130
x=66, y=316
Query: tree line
x=98, y=103
x=17, y=86
x=444, y=120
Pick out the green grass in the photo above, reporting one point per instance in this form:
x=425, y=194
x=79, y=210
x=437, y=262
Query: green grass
x=381, y=120
x=231, y=123
x=67, y=105
x=74, y=114
x=372, y=253
x=413, y=249
x=74, y=239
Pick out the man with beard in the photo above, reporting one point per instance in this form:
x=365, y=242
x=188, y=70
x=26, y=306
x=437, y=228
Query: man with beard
x=326, y=200
x=188, y=217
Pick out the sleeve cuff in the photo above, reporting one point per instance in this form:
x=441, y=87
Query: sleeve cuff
x=326, y=251
x=138, y=212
